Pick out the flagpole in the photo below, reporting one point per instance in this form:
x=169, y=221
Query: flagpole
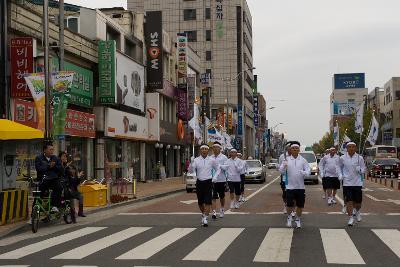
x=370, y=126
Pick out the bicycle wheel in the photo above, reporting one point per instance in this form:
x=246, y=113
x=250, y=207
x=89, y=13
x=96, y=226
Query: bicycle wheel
x=35, y=216
x=67, y=213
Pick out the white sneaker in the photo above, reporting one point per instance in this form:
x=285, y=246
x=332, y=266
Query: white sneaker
x=214, y=215
x=240, y=198
x=237, y=205
x=244, y=199
x=329, y=201
x=232, y=204
x=293, y=214
x=323, y=196
x=358, y=216
x=344, y=209
x=289, y=221
x=354, y=212
x=54, y=209
x=298, y=223
x=204, y=221
x=221, y=213
x=351, y=221
x=284, y=210
x=333, y=200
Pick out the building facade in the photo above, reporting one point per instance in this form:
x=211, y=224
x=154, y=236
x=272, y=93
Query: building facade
x=221, y=33
x=391, y=112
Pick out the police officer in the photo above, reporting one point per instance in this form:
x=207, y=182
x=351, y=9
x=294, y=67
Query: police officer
x=219, y=185
x=207, y=171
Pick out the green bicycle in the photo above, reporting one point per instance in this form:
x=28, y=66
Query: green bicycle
x=42, y=207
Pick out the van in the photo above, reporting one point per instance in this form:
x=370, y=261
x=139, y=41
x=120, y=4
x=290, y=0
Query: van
x=312, y=162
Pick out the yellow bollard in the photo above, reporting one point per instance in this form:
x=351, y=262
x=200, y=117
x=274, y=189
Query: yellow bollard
x=134, y=187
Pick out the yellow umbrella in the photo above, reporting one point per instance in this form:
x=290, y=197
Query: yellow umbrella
x=10, y=130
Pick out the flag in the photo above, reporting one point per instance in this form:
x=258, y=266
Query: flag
x=373, y=132
x=336, y=135
x=358, y=126
x=346, y=139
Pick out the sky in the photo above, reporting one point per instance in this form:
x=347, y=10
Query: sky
x=300, y=44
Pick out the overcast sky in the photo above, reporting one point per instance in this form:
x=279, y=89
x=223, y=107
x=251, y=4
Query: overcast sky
x=300, y=44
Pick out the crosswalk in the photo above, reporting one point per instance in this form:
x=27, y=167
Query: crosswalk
x=274, y=246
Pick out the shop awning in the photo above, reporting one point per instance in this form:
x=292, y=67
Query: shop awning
x=10, y=130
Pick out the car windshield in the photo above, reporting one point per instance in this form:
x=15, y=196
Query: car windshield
x=309, y=157
x=387, y=161
x=386, y=149
x=273, y=161
x=253, y=164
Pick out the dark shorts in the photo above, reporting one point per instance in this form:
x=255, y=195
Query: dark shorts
x=219, y=190
x=295, y=195
x=234, y=187
x=352, y=193
x=330, y=183
x=204, y=192
x=242, y=182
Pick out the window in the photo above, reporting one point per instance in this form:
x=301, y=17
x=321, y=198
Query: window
x=192, y=36
x=130, y=49
x=208, y=55
x=189, y=14
x=113, y=34
x=209, y=71
x=208, y=36
x=398, y=95
x=208, y=13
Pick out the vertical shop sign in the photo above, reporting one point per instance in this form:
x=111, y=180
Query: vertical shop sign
x=107, y=72
x=154, y=42
x=255, y=102
x=240, y=120
x=21, y=53
x=182, y=44
x=219, y=19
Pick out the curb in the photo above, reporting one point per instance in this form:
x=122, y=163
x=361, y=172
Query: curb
x=107, y=207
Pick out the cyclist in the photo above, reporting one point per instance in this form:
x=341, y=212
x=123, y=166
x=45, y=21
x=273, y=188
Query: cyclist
x=49, y=170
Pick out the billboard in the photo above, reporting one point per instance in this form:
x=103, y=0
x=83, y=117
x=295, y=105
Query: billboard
x=154, y=47
x=130, y=82
x=107, y=71
x=21, y=55
x=349, y=81
x=344, y=109
x=182, y=45
x=121, y=124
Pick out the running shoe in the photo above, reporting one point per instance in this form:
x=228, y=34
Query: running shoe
x=293, y=214
x=244, y=199
x=351, y=221
x=329, y=201
x=241, y=199
x=204, y=221
x=214, y=215
x=55, y=210
x=344, y=209
x=237, y=205
x=333, y=200
x=289, y=221
x=323, y=196
x=358, y=216
x=298, y=223
x=221, y=213
x=232, y=205
x=354, y=212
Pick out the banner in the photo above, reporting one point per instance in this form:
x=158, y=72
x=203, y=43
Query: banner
x=35, y=82
x=336, y=135
x=61, y=83
x=21, y=57
x=182, y=104
x=182, y=45
x=153, y=115
x=215, y=136
x=205, y=102
x=107, y=71
x=373, y=132
x=154, y=46
x=219, y=19
x=255, y=102
x=240, y=120
x=346, y=139
x=358, y=125
x=230, y=122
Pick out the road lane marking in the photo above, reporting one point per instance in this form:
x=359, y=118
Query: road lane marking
x=48, y=243
x=275, y=246
x=99, y=244
x=213, y=247
x=391, y=237
x=157, y=213
x=338, y=247
x=394, y=201
x=150, y=248
x=262, y=188
x=393, y=214
x=14, y=265
x=188, y=202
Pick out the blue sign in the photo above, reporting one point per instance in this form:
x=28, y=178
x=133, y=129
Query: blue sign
x=240, y=121
x=349, y=81
x=344, y=109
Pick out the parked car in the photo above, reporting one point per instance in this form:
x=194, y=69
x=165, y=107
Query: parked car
x=255, y=171
x=312, y=161
x=190, y=179
x=273, y=164
x=385, y=167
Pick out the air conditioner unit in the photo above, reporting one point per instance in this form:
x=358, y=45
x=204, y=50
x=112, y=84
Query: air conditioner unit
x=73, y=23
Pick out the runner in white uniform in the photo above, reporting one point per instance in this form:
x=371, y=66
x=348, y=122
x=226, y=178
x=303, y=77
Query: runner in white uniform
x=328, y=171
x=324, y=183
x=242, y=178
x=351, y=170
x=282, y=183
x=294, y=169
x=207, y=171
x=219, y=185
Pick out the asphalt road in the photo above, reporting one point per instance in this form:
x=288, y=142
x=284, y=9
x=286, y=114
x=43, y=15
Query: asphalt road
x=167, y=232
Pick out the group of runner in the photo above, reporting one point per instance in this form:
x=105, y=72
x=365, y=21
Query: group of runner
x=214, y=171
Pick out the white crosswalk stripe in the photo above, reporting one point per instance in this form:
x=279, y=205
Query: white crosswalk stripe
x=155, y=245
x=338, y=247
x=213, y=247
x=97, y=245
x=48, y=243
x=275, y=246
x=391, y=237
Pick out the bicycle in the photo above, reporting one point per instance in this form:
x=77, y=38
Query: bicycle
x=42, y=206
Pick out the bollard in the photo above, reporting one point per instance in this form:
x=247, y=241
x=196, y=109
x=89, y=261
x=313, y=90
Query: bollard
x=391, y=183
x=385, y=181
x=134, y=188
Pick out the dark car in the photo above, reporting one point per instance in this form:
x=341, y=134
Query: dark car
x=388, y=167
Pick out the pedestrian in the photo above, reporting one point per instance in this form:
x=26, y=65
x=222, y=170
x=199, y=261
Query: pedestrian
x=207, y=171
x=219, y=185
x=328, y=167
x=75, y=178
x=295, y=168
x=282, y=183
x=351, y=170
x=233, y=168
x=324, y=194
x=242, y=177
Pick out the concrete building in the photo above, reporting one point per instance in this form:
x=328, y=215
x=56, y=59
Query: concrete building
x=348, y=93
x=391, y=110
x=221, y=33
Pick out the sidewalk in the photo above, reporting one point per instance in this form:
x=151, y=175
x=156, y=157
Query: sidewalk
x=388, y=182
x=144, y=191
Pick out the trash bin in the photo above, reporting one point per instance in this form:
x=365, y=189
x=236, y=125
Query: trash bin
x=94, y=195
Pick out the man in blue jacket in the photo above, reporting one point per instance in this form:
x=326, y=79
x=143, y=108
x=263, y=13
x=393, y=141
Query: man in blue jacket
x=49, y=172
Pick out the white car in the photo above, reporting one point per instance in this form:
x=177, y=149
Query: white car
x=190, y=179
x=312, y=161
x=255, y=171
x=273, y=164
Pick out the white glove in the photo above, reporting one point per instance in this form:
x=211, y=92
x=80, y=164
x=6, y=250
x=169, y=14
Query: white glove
x=304, y=173
x=358, y=169
x=285, y=164
x=214, y=180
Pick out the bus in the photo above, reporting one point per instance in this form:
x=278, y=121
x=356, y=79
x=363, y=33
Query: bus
x=380, y=151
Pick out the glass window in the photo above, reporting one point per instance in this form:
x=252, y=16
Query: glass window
x=189, y=14
x=134, y=159
x=208, y=55
x=192, y=36
x=386, y=149
x=208, y=13
x=309, y=157
x=208, y=35
x=253, y=163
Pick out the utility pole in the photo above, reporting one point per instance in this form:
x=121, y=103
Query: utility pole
x=61, y=49
x=4, y=93
x=46, y=67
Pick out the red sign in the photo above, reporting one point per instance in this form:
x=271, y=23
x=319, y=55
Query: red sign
x=76, y=124
x=21, y=63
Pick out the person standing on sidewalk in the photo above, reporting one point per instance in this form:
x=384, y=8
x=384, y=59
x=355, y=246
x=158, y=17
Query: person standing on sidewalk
x=219, y=185
x=242, y=177
x=328, y=167
x=207, y=171
x=351, y=170
x=233, y=168
x=295, y=168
